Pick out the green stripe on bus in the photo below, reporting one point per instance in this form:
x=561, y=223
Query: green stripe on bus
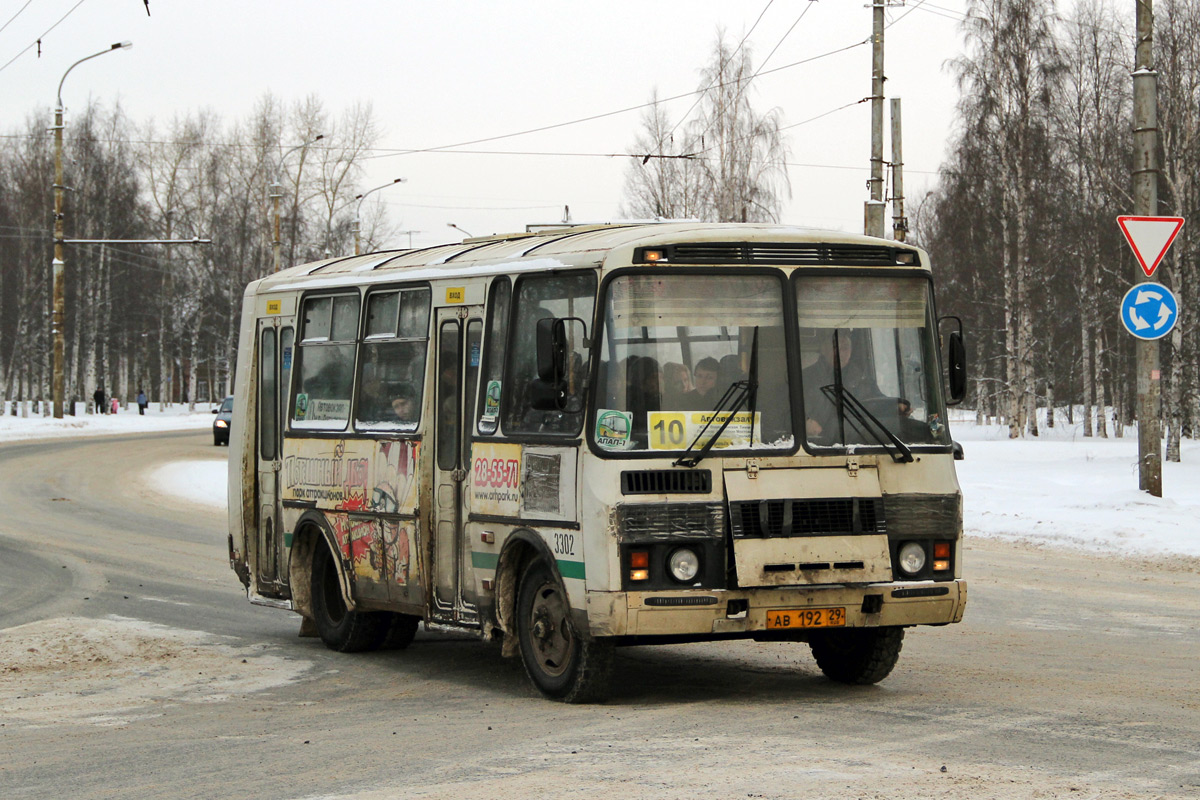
x=484, y=560
x=568, y=569
x=571, y=569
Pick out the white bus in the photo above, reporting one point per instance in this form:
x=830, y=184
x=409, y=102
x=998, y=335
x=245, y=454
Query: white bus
x=587, y=437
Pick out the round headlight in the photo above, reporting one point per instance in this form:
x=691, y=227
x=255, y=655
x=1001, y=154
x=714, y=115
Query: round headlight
x=684, y=564
x=912, y=557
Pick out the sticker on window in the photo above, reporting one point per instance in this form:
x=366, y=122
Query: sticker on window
x=329, y=409
x=287, y=358
x=673, y=430
x=613, y=429
x=301, y=406
x=491, y=400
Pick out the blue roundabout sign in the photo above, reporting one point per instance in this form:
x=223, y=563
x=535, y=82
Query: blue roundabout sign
x=1149, y=311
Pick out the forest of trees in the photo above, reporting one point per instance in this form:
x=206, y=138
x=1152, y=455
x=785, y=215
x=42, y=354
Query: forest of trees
x=156, y=317
x=1022, y=225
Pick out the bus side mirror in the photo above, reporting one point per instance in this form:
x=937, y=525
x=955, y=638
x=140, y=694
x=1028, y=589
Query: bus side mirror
x=551, y=349
x=560, y=372
x=956, y=362
x=958, y=367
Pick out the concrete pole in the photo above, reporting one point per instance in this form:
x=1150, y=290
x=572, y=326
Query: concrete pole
x=899, y=221
x=60, y=279
x=874, y=211
x=1145, y=203
x=276, y=191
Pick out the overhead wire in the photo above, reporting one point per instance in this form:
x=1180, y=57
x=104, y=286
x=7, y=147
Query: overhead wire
x=34, y=43
x=738, y=49
x=14, y=16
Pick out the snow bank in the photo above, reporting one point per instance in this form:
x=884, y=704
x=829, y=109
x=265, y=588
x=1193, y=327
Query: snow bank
x=202, y=482
x=172, y=418
x=111, y=671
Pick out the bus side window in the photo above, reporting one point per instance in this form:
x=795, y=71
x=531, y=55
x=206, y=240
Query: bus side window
x=325, y=363
x=391, y=379
x=540, y=297
x=492, y=377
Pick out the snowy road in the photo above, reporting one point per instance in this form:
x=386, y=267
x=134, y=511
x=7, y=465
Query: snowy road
x=132, y=666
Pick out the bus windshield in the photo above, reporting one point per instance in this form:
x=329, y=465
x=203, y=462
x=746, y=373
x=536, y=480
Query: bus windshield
x=869, y=364
x=673, y=345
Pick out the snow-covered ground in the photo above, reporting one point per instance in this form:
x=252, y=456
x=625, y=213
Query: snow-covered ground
x=1058, y=489
x=1062, y=489
x=174, y=417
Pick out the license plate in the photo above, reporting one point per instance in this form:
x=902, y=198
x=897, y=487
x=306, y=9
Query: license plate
x=807, y=618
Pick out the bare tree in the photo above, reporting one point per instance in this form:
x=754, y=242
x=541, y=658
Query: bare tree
x=730, y=163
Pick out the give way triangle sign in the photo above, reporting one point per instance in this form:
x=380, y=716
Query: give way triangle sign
x=1150, y=238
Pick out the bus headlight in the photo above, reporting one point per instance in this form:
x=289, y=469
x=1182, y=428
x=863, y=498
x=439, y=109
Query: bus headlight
x=684, y=564
x=912, y=557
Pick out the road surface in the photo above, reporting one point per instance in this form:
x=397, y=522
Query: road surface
x=132, y=666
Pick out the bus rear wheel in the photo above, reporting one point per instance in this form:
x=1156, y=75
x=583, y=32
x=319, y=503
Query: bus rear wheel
x=562, y=665
x=857, y=656
x=340, y=628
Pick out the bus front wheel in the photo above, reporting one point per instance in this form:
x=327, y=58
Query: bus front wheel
x=340, y=628
x=561, y=664
x=859, y=656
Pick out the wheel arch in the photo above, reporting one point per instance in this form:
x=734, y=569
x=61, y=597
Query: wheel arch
x=522, y=547
x=313, y=531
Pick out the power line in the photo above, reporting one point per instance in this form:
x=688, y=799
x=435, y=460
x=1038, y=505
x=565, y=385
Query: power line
x=737, y=50
x=43, y=36
x=14, y=16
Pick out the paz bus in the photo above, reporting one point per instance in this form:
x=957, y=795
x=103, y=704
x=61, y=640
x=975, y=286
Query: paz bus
x=578, y=438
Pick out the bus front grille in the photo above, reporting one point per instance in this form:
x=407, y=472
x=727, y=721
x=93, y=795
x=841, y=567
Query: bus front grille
x=666, y=481
x=765, y=519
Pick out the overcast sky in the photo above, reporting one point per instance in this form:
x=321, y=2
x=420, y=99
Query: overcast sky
x=438, y=73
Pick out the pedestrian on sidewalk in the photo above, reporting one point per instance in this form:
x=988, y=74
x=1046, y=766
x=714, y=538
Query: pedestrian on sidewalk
x=98, y=397
x=142, y=403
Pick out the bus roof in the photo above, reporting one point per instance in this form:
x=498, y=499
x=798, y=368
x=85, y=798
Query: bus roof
x=580, y=246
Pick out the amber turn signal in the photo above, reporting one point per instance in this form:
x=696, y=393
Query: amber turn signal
x=941, y=550
x=639, y=559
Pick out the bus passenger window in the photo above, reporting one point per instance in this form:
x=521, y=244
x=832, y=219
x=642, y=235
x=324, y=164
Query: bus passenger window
x=392, y=365
x=325, y=363
x=541, y=297
x=492, y=384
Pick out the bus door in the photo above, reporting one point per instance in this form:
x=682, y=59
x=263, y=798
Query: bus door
x=459, y=339
x=275, y=340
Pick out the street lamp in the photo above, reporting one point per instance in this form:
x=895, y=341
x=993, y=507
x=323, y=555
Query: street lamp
x=276, y=190
x=464, y=230
x=357, y=208
x=58, y=316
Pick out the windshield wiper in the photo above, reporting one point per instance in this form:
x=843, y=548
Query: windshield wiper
x=737, y=395
x=846, y=401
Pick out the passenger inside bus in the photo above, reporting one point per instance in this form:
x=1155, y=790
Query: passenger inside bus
x=706, y=393
x=833, y=345
x=404, y=404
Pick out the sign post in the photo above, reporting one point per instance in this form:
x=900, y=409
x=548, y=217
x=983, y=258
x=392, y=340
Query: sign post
x=1145, y=204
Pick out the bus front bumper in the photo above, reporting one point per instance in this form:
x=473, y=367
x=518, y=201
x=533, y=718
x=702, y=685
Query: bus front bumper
x=696, y=613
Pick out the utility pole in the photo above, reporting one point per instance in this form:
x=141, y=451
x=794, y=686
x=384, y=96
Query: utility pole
x=873, y=224
x=899, y=221
x=59, y=302
x=1145, y=203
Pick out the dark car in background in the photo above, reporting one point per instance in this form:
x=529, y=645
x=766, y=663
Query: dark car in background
x=221, y=423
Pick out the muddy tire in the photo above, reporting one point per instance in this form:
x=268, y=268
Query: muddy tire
x=857, y=656
x=562, y=665
x=400, y=631
x=340, y=628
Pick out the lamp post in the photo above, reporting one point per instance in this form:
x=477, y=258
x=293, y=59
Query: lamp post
x=461, y=230
x=58, y=314
x=358, y=208
x=277, y=190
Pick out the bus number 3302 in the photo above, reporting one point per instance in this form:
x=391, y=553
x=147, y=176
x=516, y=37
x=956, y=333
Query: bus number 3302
x=564, y=544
